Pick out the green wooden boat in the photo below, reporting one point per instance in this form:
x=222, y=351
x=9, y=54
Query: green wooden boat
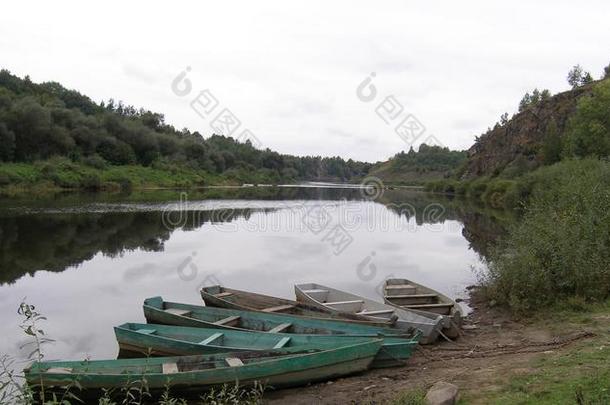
x=223, y=297
x=164, y=340
x=158, y=311
x=199, y=373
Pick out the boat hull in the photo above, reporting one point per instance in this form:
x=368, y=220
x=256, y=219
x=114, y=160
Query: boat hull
x=452, y=317
x=158, y=311
x=160, y=340
x=276, y=372
x=244, y=300
x=429, y=325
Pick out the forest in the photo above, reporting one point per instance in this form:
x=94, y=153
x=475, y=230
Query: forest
x=43, y=121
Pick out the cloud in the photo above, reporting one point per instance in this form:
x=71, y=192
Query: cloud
x=290, y=71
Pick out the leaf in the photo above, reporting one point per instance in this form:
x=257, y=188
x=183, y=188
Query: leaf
x=73, y=396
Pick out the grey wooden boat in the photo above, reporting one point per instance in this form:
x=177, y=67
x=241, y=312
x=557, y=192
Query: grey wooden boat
x=407, y=294
x=339, y=302
x=223, y=297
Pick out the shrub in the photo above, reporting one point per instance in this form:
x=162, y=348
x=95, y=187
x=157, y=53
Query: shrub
x=477, y=188
x=91, y=182
x=95, y=161
x=495, y=192
x=559, y=250
x=461, y=187
x=449, y=187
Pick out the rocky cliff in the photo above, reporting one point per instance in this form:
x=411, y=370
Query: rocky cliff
x=517, y=144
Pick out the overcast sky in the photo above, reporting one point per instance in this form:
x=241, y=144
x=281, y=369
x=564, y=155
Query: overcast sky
x=289, y=70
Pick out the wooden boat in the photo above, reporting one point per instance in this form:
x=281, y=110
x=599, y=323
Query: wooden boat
x=164, y=340
x=192, y=374
x=222, y=297
x=158, y=311
x=337, y=302
x=410, y=295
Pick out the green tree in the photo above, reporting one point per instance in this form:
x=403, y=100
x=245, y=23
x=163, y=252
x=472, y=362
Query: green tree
x=31, y=124
x=504, y=119
x=116, y=152
x=589, y=129
x=578, y=77
x=586, y=78
x=575, y=76
x=525, y=102
x=7, y=144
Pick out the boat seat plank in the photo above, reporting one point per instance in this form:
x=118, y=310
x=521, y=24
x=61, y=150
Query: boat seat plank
x=412, y=296
x=282, y=342
x=280, y=328
x=401, y=288
x=344, y=302
x=228, y=320
x=211, y=339
x=398, y=286
x=315, y=291
x=345, y=306
x=234, y=362
x=179, y=312
x=169, y=368
x=279, y=308
x=146, y=331
x=59, y=370
x=223, y=294
x=377, y=312
x=422, y=306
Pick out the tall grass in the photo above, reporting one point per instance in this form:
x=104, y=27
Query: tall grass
x=560, y=251
x=15, y=390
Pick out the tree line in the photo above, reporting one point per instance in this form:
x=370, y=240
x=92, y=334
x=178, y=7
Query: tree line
x=42, y=120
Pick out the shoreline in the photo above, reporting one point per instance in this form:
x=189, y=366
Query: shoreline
x=494, y=351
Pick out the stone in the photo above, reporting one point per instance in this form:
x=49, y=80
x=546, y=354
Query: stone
x=442, y=393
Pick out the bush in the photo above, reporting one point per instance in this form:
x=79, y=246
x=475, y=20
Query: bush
x=91, y=182
x=495, y=192
x=449, y=187
x=559, y=251
x=461, y=187
x=477, y=188
x=95, y=161
x=5, y=180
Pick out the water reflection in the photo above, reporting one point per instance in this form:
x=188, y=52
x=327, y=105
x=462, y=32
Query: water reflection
x=89, y=261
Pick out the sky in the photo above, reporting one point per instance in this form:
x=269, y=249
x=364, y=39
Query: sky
x=290, y=71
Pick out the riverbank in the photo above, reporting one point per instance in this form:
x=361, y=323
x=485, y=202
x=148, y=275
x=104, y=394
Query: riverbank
x=549, y=358
x=62, y=174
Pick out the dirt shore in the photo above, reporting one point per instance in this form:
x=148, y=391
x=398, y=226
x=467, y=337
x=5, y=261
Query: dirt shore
x=493, y=347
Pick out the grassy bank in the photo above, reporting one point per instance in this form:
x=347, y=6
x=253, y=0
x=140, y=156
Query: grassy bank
x=510, y=193
x=61, y=173
x=575, y=374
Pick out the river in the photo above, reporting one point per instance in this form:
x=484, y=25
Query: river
x=87, y=261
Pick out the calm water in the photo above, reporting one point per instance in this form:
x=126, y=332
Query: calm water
x=88, y=261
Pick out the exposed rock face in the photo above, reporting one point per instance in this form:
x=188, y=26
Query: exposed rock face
x=442, y=393
x=519, y=141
